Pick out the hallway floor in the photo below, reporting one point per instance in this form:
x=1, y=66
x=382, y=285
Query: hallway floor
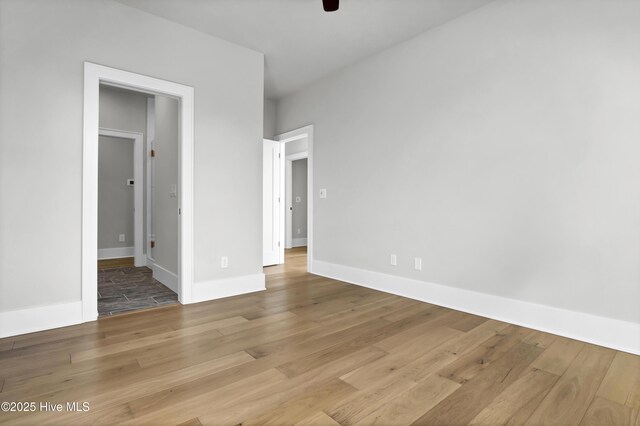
x=125, y=289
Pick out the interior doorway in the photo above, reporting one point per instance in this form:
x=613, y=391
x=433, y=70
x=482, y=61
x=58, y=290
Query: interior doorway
x=178, y=195
x=283, y=229
x=136, y=269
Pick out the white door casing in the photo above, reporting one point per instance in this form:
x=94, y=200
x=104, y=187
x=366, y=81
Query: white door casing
x=138, y=239
x=94, y=75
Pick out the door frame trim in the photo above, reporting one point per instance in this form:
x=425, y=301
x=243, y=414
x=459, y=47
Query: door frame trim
x=137, y=138
x=94, y=75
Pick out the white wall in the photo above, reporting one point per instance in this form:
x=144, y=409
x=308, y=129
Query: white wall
x=42, y=48
x=166, y=204
x=269, y=119
x=115, y=197
x=502, y=148
x=299, y=189
x=297, y=146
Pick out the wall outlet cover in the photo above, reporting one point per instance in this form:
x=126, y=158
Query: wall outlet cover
x=417, y=263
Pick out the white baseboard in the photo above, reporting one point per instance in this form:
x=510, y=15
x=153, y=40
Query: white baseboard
x=603, y=331
x=165, y=276
x=217, y=289
x=299, y=242
x=115, y=253
x=29, y=320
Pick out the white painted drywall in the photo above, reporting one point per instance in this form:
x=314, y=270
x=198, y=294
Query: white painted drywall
x=502, y=148
x=166, y=176
x=297, y=146
x=115, y=197
x=43, y=45
x=269, y=119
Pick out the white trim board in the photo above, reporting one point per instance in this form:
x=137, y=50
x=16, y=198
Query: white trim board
x=299, y=242
x=137, y=139
x=612, y=333
x=115, y=252
x=226, y=287
x=29, y=320
x=94, y=75
x=166, y=277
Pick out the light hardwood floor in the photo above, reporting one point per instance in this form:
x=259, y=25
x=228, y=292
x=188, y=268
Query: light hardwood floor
x=314, y=351
x=121, y=262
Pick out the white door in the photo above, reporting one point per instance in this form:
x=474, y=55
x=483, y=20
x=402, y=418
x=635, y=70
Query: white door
x=271, y=175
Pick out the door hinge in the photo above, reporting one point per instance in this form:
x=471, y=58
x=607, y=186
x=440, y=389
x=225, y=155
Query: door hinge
x=278, y=243
x=179, y=211
x=279, y=156
x=153, y=152
x=152, y=244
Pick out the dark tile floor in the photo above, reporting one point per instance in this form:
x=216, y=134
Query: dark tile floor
x=127, y=289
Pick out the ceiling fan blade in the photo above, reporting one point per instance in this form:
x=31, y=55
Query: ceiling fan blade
x=330, y=5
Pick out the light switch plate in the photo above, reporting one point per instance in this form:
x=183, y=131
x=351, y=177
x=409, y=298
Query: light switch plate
x=323, y=192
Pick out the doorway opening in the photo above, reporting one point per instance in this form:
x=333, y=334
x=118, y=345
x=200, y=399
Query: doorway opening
x=288, y=198
x=157, y=196
x=137, y=264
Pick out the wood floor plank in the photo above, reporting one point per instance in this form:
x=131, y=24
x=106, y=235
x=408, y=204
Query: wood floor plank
x=466, y=402
x=467, y=322
x=516, y=403
x=192, y=422
x=317, y=419
x=299, y=366
x=621, y=384
x=400, y=355
x=557, y=358
x=6, y=344
x=296, y=409
x=473, y=362
x=569, y=399
x=410, y=405
x=605, y=412
x=256, y=403
x=451, y=350
x=361, y=403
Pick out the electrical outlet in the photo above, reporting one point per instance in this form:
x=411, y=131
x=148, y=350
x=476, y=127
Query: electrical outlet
x=298, y=230
x=417, y=264
x=121, y=238
x=393, y=259
x=224, y=262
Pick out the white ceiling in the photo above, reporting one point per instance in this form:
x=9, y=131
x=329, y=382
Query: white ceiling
x=300, y=41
